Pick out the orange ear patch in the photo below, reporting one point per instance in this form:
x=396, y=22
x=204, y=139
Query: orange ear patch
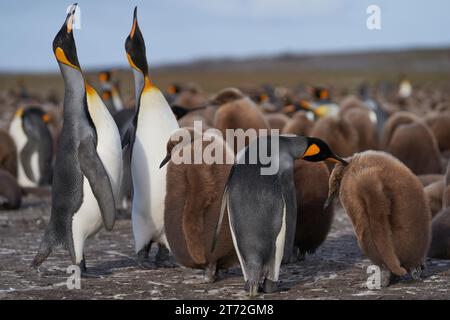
x=130, y=61
x=312, y=150
x=46, y=118
x=61, y=57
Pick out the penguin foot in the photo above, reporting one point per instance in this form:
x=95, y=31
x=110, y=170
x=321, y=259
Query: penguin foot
x=269, y=286
x=142, y=259
x=162, y=259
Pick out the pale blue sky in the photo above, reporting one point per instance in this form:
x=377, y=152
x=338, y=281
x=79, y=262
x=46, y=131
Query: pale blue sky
x=182, y=30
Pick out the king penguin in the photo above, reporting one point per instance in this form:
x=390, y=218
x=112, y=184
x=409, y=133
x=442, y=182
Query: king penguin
x=88, y=164
x=34, y=146
x=262, y=207
x=153, y=125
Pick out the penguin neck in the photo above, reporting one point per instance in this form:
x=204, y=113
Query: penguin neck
x=75, y=90
x=139, y=83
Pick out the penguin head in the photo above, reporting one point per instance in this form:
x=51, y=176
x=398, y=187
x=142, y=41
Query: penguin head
x=64, y=43
x=104, y=76
x=135, y=47
x=318, y=150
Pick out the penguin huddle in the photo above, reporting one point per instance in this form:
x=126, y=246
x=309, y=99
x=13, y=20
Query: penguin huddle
x=213, y=216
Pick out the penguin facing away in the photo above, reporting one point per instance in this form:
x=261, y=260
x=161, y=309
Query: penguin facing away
x=34, y=146
x=262, y=209
x=152, y=127
x=88, y=164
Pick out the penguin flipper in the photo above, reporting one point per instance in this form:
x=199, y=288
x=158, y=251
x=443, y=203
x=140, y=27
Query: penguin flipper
x=25, y=158
x=290, y=201
x=222, y=211
x=92, y=167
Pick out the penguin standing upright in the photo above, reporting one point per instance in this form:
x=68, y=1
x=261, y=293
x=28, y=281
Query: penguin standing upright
x=262, y=208
x=88, y=164
x=34, y=147
x=153, y=123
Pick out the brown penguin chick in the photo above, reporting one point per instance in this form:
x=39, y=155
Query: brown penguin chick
x=10, y=192
x=8, y=153
x=240, y=114
x=299, y=124
x=411, y=141
x=313, y=220
x=192, y=205
x=191, y=97
x=434, y=193
x=440, y=240
x=364, y=126
x=277, y=120
x=226, y=95
x=439, y=124
x=338, y=133
x=427, y=179
x=388, y=209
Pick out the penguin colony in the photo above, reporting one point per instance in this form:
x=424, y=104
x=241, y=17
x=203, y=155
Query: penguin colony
x=109, y=154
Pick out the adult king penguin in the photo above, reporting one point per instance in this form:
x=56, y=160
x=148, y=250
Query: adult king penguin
x=262, y=206
x=88, y=164
x=154, y=122
x=34, y=147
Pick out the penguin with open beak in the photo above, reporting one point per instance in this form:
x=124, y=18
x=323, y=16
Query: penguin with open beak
x=152, y=127
x=88, y=165
x=262, y=208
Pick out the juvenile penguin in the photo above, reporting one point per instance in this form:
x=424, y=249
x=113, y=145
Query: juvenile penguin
x=277, y=120
x=153, y=123
x=434, y=193
x=390, y=215
x=192, y=205
x=8, y=153
x=440, y=240
x=409, y=139
x=88, y=164
x=262, y=207
x=313, y=220
x=300, y=124
x=34, y=147
x=10, y=192
x=439, y=124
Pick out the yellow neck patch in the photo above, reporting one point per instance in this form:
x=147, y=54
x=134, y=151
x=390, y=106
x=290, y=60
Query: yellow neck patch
x=148, y=85
x=61, y=57
x=312, y=150
x=130, y=61
x=89, y=90
x=19, y=112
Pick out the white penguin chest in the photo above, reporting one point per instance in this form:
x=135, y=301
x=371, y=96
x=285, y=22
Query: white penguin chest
x=20, y=139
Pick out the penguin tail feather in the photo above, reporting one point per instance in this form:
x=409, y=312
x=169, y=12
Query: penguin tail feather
x=222, y=213
x=45, y=249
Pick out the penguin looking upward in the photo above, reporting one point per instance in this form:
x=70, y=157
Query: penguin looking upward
x=88, y=164
x=34, y=146
x=153, y=125
x=262, y=209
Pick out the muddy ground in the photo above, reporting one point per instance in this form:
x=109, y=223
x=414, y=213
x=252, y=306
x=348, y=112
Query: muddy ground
x=337, y=271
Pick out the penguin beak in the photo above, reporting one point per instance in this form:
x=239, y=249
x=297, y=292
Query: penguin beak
x=70, y=18
x=133, y=28
x=166, y=159
x=336, y=159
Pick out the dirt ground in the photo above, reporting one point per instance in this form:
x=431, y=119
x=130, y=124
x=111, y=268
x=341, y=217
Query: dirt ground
x=336, y=271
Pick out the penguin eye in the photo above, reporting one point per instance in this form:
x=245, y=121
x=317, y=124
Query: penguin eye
x=312, y=150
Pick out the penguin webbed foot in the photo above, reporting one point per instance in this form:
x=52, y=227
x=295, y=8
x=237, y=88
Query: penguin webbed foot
x=143, y=260
x=162, y=259
x=211, y=272
x=269, y=286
